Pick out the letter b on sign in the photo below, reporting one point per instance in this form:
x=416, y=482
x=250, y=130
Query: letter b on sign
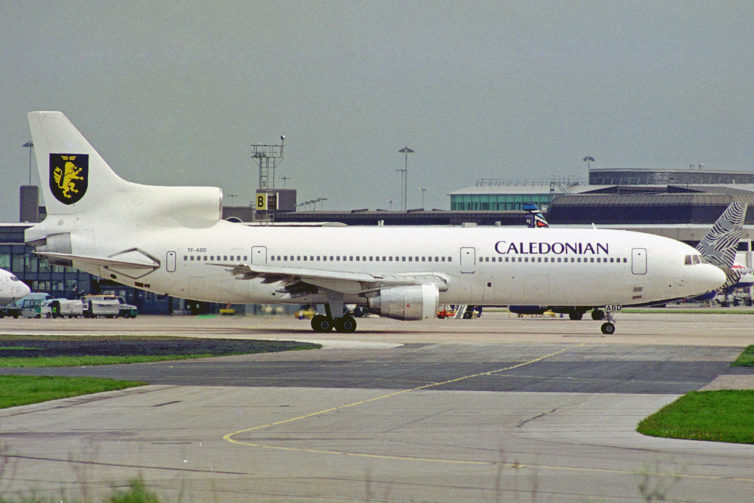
x=261, y=202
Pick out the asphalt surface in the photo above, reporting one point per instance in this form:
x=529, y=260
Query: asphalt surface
x=495, y=409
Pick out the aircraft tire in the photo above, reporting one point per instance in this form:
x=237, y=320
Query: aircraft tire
x=345, y=324
x=608, y=328
x=321, y=324
x=576, y=315
x=598, y=314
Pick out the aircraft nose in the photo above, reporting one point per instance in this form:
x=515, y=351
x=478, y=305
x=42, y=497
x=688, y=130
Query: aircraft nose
x=709, y=277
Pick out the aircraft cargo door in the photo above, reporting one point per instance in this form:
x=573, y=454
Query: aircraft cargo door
x=639, y=261
x=468, y=260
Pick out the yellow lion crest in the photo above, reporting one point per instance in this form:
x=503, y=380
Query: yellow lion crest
x=66, y=177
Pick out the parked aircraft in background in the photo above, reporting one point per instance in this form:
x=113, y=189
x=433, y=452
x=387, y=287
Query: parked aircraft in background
x=11, y=288
x=172, y=241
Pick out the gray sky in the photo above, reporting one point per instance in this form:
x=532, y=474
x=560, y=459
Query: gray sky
x=175, y=92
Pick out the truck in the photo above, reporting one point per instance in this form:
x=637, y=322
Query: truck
x=58, y=308
x=13, y=309
x=110, y=306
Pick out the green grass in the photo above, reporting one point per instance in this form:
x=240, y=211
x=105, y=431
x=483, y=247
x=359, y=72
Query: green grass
x=683, y=310
x=745, y=359
x=25, y=390
x=717, y=416
x=85, y=361
x=137, y=492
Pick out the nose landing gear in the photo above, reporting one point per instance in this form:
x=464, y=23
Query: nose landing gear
x=608, y=328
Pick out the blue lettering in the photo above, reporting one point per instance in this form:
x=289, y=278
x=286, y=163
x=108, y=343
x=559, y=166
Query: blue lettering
x=557, y=248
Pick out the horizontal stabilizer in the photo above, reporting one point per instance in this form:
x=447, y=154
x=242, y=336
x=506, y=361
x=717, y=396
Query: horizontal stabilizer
x=132, y=263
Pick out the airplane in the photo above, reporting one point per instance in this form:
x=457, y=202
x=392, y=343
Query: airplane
x=745, y=280
x=11, y=288
x=534, y=217
x=173, y=241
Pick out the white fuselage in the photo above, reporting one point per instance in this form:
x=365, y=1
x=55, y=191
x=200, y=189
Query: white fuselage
x=11, y=288
x=483, y=265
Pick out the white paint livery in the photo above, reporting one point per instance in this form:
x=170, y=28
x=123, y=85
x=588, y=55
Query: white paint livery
x=171, y=240
x=11, y=288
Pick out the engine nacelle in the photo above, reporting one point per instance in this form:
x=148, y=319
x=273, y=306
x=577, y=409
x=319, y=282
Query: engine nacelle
x=412, y=302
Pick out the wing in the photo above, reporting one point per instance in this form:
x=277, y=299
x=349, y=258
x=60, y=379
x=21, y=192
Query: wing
x=298, y=280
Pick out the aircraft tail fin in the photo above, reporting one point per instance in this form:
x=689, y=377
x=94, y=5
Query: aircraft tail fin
x=534, y=217
x=76, y=180
x=720, y=244
x=72, y=174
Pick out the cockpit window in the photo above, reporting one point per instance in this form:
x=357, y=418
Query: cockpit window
x=693, y=259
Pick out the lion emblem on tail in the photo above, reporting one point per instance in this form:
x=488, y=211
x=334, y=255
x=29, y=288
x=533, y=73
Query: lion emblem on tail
x=68, y=176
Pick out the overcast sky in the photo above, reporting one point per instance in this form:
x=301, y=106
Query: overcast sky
x=175, y=92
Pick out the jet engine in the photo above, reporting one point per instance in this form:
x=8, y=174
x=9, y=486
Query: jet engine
x=411, y=302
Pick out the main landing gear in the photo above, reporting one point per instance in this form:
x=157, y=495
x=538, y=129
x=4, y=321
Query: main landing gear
x=321, y=323
x=325, y=323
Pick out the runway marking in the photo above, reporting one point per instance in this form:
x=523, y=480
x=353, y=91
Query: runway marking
x=230, y=436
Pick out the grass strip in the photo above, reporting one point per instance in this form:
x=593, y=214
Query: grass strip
x=716, y=416
x=86, y=361
x=745, y=359
x=25, y=390
x=701, y=310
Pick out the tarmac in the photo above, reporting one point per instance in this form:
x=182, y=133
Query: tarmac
x=491, y=409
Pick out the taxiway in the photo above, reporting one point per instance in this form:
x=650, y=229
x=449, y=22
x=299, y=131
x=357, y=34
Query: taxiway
x=492, y=409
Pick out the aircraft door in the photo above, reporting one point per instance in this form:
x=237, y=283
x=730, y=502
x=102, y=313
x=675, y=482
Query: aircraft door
x=639, y=261
x=259, y=255
x=170, y=261
x=468, y=260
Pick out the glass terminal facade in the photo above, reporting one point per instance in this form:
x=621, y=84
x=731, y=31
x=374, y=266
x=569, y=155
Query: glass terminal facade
x=493, y=202
x=33, y=270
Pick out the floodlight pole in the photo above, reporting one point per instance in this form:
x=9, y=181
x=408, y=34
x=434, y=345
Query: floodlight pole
x=405, y=151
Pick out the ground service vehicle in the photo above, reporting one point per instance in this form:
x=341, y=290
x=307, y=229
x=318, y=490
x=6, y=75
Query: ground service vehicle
x=60, y=308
